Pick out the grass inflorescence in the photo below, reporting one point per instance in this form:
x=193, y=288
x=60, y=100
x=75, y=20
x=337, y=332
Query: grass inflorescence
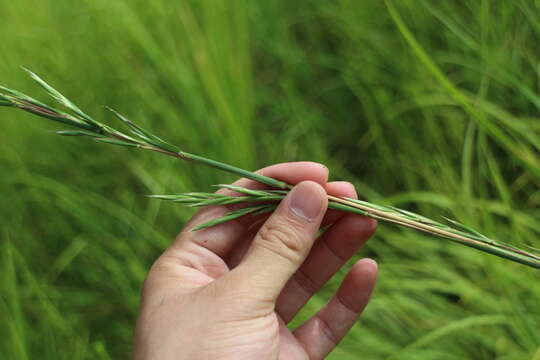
x=143, y=139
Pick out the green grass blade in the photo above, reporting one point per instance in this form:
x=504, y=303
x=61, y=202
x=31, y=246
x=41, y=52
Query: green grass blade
x=229, y=217
x=78, y=133
x=116, y=142
x=61, y=98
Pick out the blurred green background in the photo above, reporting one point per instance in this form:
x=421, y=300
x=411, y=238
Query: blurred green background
x=428, y=105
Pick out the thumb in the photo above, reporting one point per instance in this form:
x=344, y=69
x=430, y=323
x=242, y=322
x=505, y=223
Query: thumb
x=283, y=242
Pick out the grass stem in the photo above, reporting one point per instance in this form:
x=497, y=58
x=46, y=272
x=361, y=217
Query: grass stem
x=143, y=139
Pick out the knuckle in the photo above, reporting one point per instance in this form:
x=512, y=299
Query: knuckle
x=283, y=239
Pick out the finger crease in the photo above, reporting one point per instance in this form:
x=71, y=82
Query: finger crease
x=305, y=282
x=327, y=331
x=341, y=258
x=345, y=304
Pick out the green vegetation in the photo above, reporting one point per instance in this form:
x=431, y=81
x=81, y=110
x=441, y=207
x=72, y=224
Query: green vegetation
x=426, y=105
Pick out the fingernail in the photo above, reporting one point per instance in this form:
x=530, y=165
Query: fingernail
x=306, y=200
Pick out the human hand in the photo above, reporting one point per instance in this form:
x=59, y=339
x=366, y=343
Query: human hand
x=229, y=291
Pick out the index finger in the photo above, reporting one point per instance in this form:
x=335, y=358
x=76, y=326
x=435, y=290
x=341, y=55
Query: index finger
x=291, y=173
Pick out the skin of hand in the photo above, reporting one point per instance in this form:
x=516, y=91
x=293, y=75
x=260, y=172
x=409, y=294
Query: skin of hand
x=229, y=291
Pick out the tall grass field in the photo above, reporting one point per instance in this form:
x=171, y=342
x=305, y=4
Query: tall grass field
x=431, y=106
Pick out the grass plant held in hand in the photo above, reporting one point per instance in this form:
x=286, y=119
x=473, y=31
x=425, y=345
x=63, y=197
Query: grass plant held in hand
x=258, y=201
